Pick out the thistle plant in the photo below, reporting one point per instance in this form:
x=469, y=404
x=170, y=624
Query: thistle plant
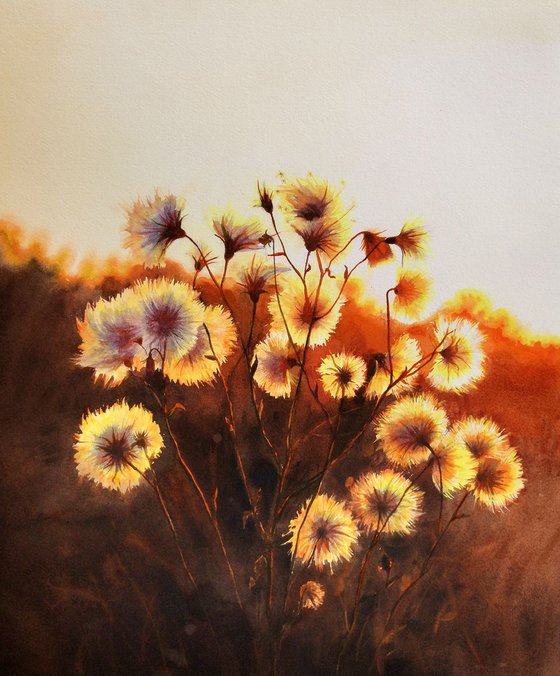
x=361, y=447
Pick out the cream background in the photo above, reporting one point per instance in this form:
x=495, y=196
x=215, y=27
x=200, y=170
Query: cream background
x=447, y=109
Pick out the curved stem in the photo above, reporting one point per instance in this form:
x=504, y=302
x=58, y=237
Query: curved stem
x=346, y=278
x=284, y=251
x=338, y=253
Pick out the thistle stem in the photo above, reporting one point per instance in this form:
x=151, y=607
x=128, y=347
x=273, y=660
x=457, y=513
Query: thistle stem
x=233, y=431
x=423, y=571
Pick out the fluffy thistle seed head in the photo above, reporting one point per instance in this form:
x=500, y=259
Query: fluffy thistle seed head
x=171, y=316
x=412, y=238
x=480, y=436
x=311, y=595
x=386, y=501
x=409, y=426
x=265, y=198
x=376, y=248
x=276, y=371
x=326, y=535
x=411, y=294
x=115, y=445
x=458, y=466
x=236, y=235
x=315, y=212
x=459, y=362
x=111, y=334
x=152, y=226
x=256, y=277
x=200, y=364
x=342, y=374
x=302, y=309
x=498, y=480
x=405, y=353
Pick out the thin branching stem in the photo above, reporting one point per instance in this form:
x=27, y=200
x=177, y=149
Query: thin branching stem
x=233, y=431
x=423, y=571
x=365, y=561
x=198, y=488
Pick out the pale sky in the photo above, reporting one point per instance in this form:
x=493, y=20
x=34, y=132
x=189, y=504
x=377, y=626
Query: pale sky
x=447, y=109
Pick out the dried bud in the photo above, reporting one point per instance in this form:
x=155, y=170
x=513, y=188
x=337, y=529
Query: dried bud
x=265, y=239
x=412, y=238
x=312, y=595
x=150, y=365
x=202, y=259
x=385, y=565
x=265, y=199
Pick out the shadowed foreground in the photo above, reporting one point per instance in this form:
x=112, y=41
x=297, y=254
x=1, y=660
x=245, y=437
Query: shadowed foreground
x=91, y=583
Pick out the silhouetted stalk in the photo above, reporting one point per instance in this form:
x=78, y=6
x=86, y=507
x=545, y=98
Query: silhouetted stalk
x=441, y=496
x=233, y=431
x=423, y=571
x=220, y=287
x=248, y=354
x=319, y=485
x=365, y=562
x=192, y=478
x=154, y=485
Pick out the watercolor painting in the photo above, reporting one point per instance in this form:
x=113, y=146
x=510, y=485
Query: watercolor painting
x=281, y=338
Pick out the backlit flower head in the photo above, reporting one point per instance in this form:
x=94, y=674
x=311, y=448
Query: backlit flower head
x=479, y=436
x=315, y=211
x=409, y=426
x=276, y=371
x=311, y=595
x=116, y=444
x=342, y=374
x=111, y=333
x=458, y=466
x=326, y=535
x=459, y=362
x=255, y=279
x=498, y=480
x=302, y=309
x=405, y=353
x=151, y=227
x=375, y=248
x=386, y=501
x=200, y=363
x=171, y=316
x=236, y=235
x=412, y=238
x=411, y=294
